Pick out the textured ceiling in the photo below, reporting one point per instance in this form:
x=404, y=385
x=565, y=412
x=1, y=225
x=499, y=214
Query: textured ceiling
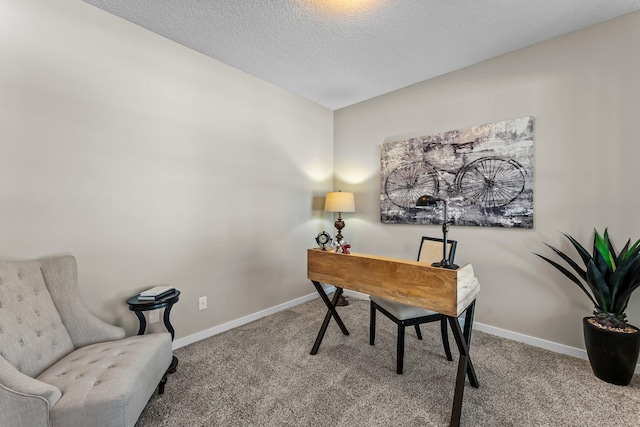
x=339, y=52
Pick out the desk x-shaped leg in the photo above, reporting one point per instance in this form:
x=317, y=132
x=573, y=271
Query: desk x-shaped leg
x=463, y=339
x=465, y=367
x=331, y=305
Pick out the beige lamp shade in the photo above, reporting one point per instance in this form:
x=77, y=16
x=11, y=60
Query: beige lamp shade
x=338, y=201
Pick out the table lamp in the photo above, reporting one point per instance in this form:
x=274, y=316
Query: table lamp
x=424, y=201
x=339, y=201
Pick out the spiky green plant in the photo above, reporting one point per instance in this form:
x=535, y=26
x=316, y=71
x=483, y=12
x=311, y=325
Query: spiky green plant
x=610, y=278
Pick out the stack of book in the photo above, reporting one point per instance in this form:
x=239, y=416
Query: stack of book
x=155, y=293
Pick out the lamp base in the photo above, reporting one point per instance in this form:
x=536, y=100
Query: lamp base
x=342, y=301
x=445, y=265
x=339, y=225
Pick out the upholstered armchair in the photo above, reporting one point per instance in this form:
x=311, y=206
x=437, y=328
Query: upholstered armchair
x=62, y=366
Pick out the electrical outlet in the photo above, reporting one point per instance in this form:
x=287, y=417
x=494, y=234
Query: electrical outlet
x=202, y=303
x=154, y=316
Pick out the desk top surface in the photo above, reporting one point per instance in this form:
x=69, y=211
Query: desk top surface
x=410, y=282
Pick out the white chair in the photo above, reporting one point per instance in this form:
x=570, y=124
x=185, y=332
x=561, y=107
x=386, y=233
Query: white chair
x=405, y=315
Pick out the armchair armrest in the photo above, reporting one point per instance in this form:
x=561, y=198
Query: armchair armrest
x=25, y=400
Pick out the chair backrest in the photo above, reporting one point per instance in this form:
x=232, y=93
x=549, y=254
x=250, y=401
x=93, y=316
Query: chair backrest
x=32, y=335
x=431, y=249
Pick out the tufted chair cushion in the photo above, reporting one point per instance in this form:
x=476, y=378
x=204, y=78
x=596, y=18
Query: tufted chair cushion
x=32, y=336
x=110, y=382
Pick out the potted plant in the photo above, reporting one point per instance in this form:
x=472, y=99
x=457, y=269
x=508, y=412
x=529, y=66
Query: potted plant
x=610, y=278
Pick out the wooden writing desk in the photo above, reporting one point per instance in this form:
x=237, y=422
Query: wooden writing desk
x=449, y=292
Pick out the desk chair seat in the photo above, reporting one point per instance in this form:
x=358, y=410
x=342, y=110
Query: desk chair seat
x=405, y=315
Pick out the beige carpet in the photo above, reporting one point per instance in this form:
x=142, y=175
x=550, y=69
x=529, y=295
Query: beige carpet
x=261, y=374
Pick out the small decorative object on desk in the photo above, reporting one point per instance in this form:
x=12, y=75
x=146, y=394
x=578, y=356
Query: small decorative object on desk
x=156, y=292
x=344, y=247
x=323, y=240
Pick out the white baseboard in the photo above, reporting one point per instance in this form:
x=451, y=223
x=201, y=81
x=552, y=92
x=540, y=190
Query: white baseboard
x=181, y=342
x=514, y=336
x=353, y=294
x=536, y=342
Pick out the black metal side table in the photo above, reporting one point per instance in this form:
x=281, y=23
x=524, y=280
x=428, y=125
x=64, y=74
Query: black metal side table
x=138, y=306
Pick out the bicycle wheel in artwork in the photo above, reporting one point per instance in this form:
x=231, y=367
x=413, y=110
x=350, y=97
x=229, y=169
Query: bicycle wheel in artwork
x=409, y=181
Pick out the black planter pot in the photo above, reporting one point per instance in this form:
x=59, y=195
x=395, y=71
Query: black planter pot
x=613, y=355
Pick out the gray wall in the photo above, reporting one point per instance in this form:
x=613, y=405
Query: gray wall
x=154, y=164
x=583, y=91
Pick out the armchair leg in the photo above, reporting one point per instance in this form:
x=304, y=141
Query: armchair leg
x=445, y=338
x=400, y=349
x=170, y=370
x=162, y=383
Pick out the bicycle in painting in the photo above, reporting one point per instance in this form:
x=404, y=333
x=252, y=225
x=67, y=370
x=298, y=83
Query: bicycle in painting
x=488, y=181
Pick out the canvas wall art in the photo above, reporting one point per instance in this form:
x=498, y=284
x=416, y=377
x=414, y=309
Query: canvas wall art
x=484, y=172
